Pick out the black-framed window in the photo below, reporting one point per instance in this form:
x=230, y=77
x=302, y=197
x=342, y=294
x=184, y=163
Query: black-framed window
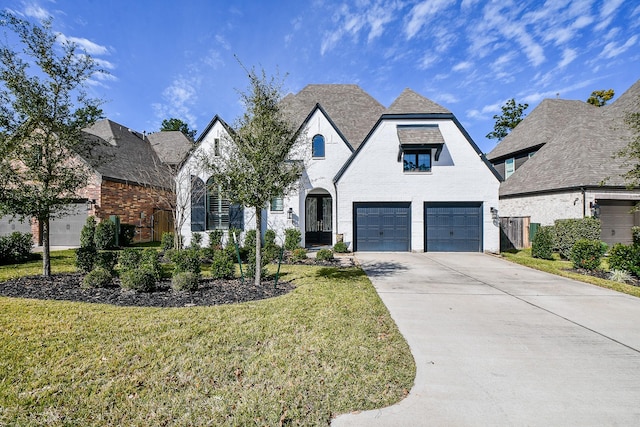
x=317, y=146
x=416, y=161
x=216, y=147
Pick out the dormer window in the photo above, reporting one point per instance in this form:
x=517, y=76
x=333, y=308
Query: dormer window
x=317, y=146
x=417, y=161
x=419, y=146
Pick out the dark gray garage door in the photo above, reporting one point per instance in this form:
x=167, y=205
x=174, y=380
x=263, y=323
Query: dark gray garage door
x=382, y=226
x=65, y=231
x=453, y=227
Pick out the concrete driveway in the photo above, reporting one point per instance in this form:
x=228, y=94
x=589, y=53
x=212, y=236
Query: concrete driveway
x=500, y=344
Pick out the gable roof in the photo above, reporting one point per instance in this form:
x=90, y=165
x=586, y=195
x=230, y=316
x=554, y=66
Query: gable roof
x=410, y=102
x=542, y=125
x=582, y=152
x=121, y=154
x=170, y=146
x=353, y=111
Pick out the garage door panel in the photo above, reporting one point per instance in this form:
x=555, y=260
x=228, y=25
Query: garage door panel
x=453, y=227
x=65, y=231
x=382, y=226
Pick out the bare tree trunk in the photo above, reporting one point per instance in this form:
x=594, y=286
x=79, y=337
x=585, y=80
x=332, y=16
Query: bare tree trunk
x=46, y=252
x=258, y=275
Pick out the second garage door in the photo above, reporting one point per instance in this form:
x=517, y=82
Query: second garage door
x=453, y=227
x=384, y=226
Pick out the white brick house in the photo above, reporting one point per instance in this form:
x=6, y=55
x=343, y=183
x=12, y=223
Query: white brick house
x=406, y=178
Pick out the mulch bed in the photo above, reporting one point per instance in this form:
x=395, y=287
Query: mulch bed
x=633, y=281
x=67, y=287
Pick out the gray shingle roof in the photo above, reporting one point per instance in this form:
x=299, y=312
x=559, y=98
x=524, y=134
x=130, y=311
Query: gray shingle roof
x=581, y=152
x=170, y=146
x=542, y=125
x=410, y=102
x=119, y=153
x=352, y=110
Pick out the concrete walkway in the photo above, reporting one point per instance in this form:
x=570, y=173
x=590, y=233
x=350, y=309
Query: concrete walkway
x=497, y=344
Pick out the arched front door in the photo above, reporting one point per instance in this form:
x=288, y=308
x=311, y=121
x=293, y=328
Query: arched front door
x=318, y=219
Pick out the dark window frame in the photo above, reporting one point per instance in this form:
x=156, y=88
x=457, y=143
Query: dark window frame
x=412, y=157
x=318, y=147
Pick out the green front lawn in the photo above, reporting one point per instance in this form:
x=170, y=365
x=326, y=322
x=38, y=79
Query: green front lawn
x=328, y=347
x=563, y=268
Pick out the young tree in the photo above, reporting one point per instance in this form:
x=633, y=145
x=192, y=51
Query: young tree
x=512, y=114
x=600, y=97
x=256, y=165
x=42, y=113
x=179, y=125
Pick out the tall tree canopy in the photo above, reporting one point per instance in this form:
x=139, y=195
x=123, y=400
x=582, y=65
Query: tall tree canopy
x=256, y=164
x=512, y=114
x=179, y=125
x=600, y=97
x=43, y=109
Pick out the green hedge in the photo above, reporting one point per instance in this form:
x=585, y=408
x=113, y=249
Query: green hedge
x=569, y=231
x=542, y=245
x=587, y=254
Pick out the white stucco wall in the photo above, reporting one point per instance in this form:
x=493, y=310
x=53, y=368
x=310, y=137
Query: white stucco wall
x=460, y=175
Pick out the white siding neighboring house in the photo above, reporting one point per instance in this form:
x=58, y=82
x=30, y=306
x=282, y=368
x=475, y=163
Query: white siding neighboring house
x=566, y=165
x=406, y=178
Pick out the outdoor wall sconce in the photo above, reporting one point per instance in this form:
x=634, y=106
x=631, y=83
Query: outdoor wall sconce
x=494, y=213
x=290, y=213
x=90, y=204
x=595, y=209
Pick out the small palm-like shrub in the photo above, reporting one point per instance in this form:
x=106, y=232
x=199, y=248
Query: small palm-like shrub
x=619, y=276
x=99, y=277
x=586, y=254
x=139, y=280
x=185, y=281
x=196, y=240
x=324, y=255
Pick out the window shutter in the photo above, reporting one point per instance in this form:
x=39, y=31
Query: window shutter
x=236, y=217
x=198, y=211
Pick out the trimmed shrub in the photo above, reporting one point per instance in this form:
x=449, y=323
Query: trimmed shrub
x=105, y=235
x=250, y=240
x=99, y=277
x=222, y=266
x=292, y=238
x=107, y=260
x=324, y=255
x=298, y=254
x=215, y=239
x=270, y=251
x=186, y=260
x=16, y=247
x=623, y=257
x=196, y=240
x=167, y=241
x=340, y=248
x=635, y=233
x=569, y=231
x=127, y=233
x=139, y=280
x=86, y=259
x=586, y=254
x=150, y=261
x=542, y=245
x=129, y=259
x=185, y=281
x=87, y=235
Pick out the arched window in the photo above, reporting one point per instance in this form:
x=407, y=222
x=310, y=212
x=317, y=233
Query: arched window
x=317, y=146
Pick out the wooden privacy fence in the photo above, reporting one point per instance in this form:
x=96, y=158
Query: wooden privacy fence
x=514, y=232
x=162, y=223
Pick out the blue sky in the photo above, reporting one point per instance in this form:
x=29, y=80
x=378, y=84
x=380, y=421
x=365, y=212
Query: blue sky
x=177, y=58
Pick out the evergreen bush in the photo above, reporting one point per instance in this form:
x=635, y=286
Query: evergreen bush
x=87, y=235
x=324, y=255
x=126, y=235
x=186, y=260
x=86, y=258
x=542, y=245
x=185, y=281
x=129, y=259
x=16, y=247
x=139, y=280
x=292, y=238
x=167, y=241
x=215, y=239
x=107, y=260
x=586, y=254
x=196, y=240
x=150, y=261
x=99, y=277
x=105, y=235
x=569, y=231
x=340, y=248
x=222, y=266
x=625, y=257
x=298, y=254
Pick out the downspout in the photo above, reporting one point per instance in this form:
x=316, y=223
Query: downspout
x=584, y=202
x=335, y=234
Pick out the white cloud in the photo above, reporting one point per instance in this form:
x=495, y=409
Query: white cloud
x=179, y=97
x=87, y=45
x=607, y=12
x=34, y=10
x=104, y=64
x=461, y=66
x=612, y=49
x=428, y=60
x=447, y=98
x=213, y=59
x=420, y=14
x=568, y=55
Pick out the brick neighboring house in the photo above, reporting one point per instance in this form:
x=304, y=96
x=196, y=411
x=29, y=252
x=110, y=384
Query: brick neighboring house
x=130, y=179
x=561, y=162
